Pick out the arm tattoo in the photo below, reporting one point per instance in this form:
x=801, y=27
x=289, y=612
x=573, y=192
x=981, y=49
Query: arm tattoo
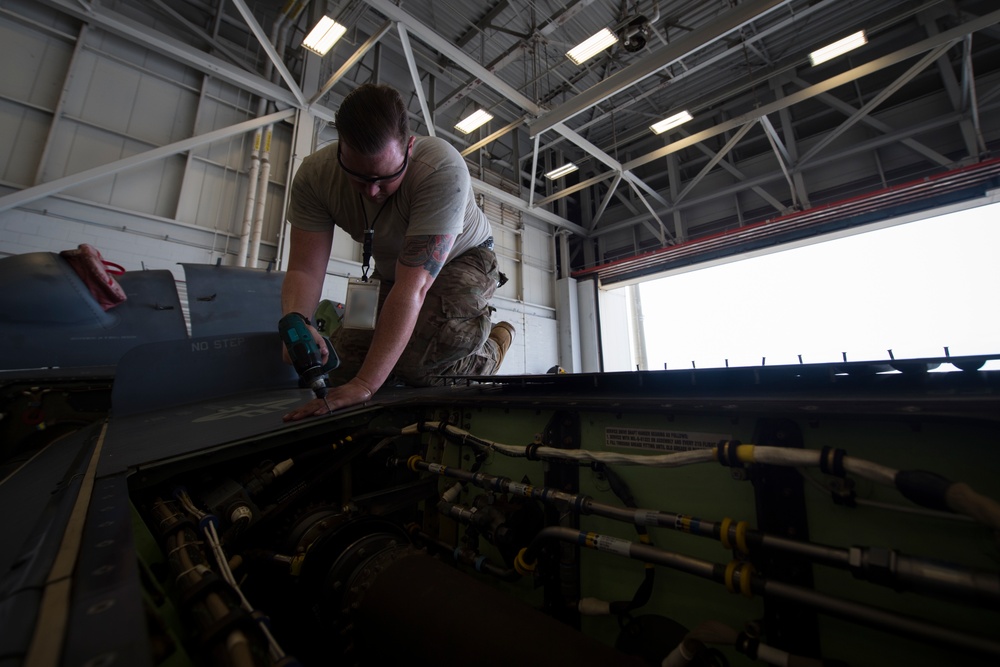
x=430, y=252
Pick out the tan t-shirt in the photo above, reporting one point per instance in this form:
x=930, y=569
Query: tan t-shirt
x=435, y=197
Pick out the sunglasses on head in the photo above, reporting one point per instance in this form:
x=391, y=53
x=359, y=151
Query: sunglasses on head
x=374, y=179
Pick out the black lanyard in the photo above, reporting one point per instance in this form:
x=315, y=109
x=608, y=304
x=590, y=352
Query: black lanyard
x=369, y=235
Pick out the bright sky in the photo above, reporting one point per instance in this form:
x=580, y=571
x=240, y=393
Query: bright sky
x=914, y=288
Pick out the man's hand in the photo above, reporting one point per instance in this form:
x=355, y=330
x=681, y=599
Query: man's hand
x=354, y=392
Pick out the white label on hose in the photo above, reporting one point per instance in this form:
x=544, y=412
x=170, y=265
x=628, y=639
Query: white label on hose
x=519, y=489
x=660, y=441
x=612, y=545
x=646, y=518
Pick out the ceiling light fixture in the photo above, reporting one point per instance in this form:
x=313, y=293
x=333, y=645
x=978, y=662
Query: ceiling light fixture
x=670, y=123
x=839, y=47
x=322, y=38
x=473, y=120
x=591, y=46
x=559, y=172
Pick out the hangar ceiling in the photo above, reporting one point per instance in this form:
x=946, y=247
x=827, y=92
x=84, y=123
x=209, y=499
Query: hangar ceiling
x=771, y=136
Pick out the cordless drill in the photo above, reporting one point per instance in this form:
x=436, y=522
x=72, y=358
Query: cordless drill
x=306, y=356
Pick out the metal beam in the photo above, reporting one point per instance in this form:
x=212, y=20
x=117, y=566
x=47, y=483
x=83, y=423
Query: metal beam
x=181, y=52
x=449, y=50
x=882, y=96
x=404, y=39
x=735, y=139
x=822, y=87
x=650, y=65
x=929, y=21
x=516, y=202
x=276, y=59
x=534, y=170
x=52, y=187
x=492, y=137
x=546, y=28
x=349, y=63
x=582, y=185
x=870, y=145
x=663, y=232
x=234, y=57
x=780, y=152
x=463, y=60
x=969, y=102
x=883, y=127
x=604, y=202
x=735, y=171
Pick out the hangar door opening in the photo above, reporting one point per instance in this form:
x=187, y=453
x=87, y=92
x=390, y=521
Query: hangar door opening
x=901, y=289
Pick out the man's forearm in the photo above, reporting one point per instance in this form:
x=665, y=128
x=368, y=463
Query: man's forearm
x=392, y=333
x=300, y=292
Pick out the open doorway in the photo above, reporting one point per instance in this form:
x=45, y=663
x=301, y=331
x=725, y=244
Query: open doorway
x=904, y=289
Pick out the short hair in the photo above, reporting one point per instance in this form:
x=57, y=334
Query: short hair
x=370, y=117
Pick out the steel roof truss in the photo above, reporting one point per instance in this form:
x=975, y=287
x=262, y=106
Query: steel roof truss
x=506, y=129
x=735, y=139
x=882, y=96
x=464, y=61
x=735, y=171
x=878, y=64
x=272, y=53
x=212, y=41
x=350, y=62
x=662, y=232
x=848, y=109
x=604, y=202
x=870, y=145
x=404, y=39
x=175, y=49
x=729, y=21
x=969, y=93
x=784, y=159
x=582, y=185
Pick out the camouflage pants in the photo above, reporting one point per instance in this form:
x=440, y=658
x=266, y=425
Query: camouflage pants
x=452, y=329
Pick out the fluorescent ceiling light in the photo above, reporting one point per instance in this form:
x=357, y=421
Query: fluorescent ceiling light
x=671, y=122
x=591, y=46
x=839, y=47
x=559, y=172
x=474, y=120
x=322, y=38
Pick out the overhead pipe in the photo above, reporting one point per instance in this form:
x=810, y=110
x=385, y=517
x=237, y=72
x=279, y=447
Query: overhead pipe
x=260, y=163
x=258, y=209
x=248, y=209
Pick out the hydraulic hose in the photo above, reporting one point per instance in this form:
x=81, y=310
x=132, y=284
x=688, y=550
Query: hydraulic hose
x=921, y=487
x=221, y=621
x=881, y=566
x=465, y=556
x=645, y=590
x=740, y=577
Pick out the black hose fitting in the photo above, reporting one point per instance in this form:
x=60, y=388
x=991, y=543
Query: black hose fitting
x=747, y=645
x=831, y=461
x=924, y=488
x=725, y=452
